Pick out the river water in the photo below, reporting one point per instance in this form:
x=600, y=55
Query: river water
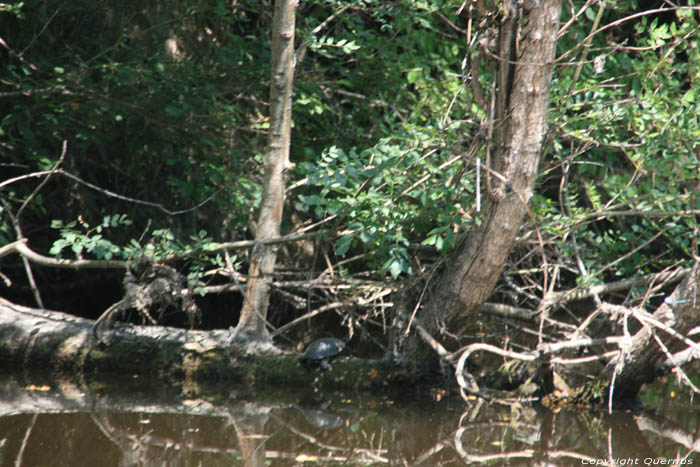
x=133, y=422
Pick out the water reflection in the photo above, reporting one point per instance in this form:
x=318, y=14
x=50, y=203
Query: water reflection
x=126, y=424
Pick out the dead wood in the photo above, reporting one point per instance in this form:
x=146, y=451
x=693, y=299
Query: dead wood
x=151, y=287
x=63, y=344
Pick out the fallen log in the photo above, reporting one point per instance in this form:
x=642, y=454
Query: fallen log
x=52, y=341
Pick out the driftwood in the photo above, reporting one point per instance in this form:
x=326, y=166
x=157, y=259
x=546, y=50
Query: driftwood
x=54, y=341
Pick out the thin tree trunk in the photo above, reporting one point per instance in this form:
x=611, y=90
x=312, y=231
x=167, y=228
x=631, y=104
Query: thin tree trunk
x=519, y=126
x=275, y=162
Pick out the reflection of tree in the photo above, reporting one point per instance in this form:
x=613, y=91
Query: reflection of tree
x=250, y=429
x=139, y=445
x=336, y=442
x=546, y=438
x=666, y=429
x=137, y=428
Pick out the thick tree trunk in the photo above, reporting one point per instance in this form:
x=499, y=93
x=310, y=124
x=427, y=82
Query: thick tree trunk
x=276, y=162
x=519, y=125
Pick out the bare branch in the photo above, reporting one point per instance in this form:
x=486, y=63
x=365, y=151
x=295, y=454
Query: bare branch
x=621, y=21
x=580, y=293
x=108, y=193
x=43, y=182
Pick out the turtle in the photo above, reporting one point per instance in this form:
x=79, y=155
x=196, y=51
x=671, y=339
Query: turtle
x=320, y=352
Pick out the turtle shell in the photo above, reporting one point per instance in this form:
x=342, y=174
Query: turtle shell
x=322, y=351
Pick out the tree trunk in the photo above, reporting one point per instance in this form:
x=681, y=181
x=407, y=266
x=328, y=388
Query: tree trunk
x=527, y=49
x=275, y=162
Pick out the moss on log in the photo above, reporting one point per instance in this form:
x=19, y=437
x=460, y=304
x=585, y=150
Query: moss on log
x=58, y=342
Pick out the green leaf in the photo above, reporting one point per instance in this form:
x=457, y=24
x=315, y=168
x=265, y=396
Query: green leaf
x=342, y=245
x=414, y=75
x=172, y=110
x=395, y=267
x=57, y=246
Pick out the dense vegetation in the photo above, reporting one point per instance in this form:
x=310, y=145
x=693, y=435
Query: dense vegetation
x=163, y=108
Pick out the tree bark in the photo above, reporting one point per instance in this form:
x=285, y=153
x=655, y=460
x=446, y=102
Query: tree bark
x=526, y=59
x=252, y=321
x=59, y=343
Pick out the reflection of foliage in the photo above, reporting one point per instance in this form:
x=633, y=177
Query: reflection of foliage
x=387, y=432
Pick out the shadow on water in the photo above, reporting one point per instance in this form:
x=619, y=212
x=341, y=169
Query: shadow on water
x=134, y=422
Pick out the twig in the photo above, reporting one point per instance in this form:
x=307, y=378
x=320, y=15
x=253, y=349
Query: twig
x=581, y=360
x=574, y=17
x=109, y=193
x=425, y=177
x=311, y=314
x=465, y=352
x=500, y=309
x=415, y=310
x=447, y=21
x=18, y=228
x=557, y=346
x=243, y=244
x=580, y=293
x=331, y=306
x=676, y=368
x=37, y=35
x=431, y=341
x=20, y=246
x=25, y=262
x=471, y=386
x=646, y=318
x=300, y=52
x=620, y=21
x=16, y=55
x=25, y=439
x=36, y=191
x=587, y=46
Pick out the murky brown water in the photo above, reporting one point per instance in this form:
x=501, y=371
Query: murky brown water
x=148, y=425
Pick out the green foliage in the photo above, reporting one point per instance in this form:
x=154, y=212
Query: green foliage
x=88, y=240
x=630, y=142
x=389, y=196
x=143, y=98
x=397, y=96
x=168, y=104
x=82, y=239
x=392, y=69
x=15, y=9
